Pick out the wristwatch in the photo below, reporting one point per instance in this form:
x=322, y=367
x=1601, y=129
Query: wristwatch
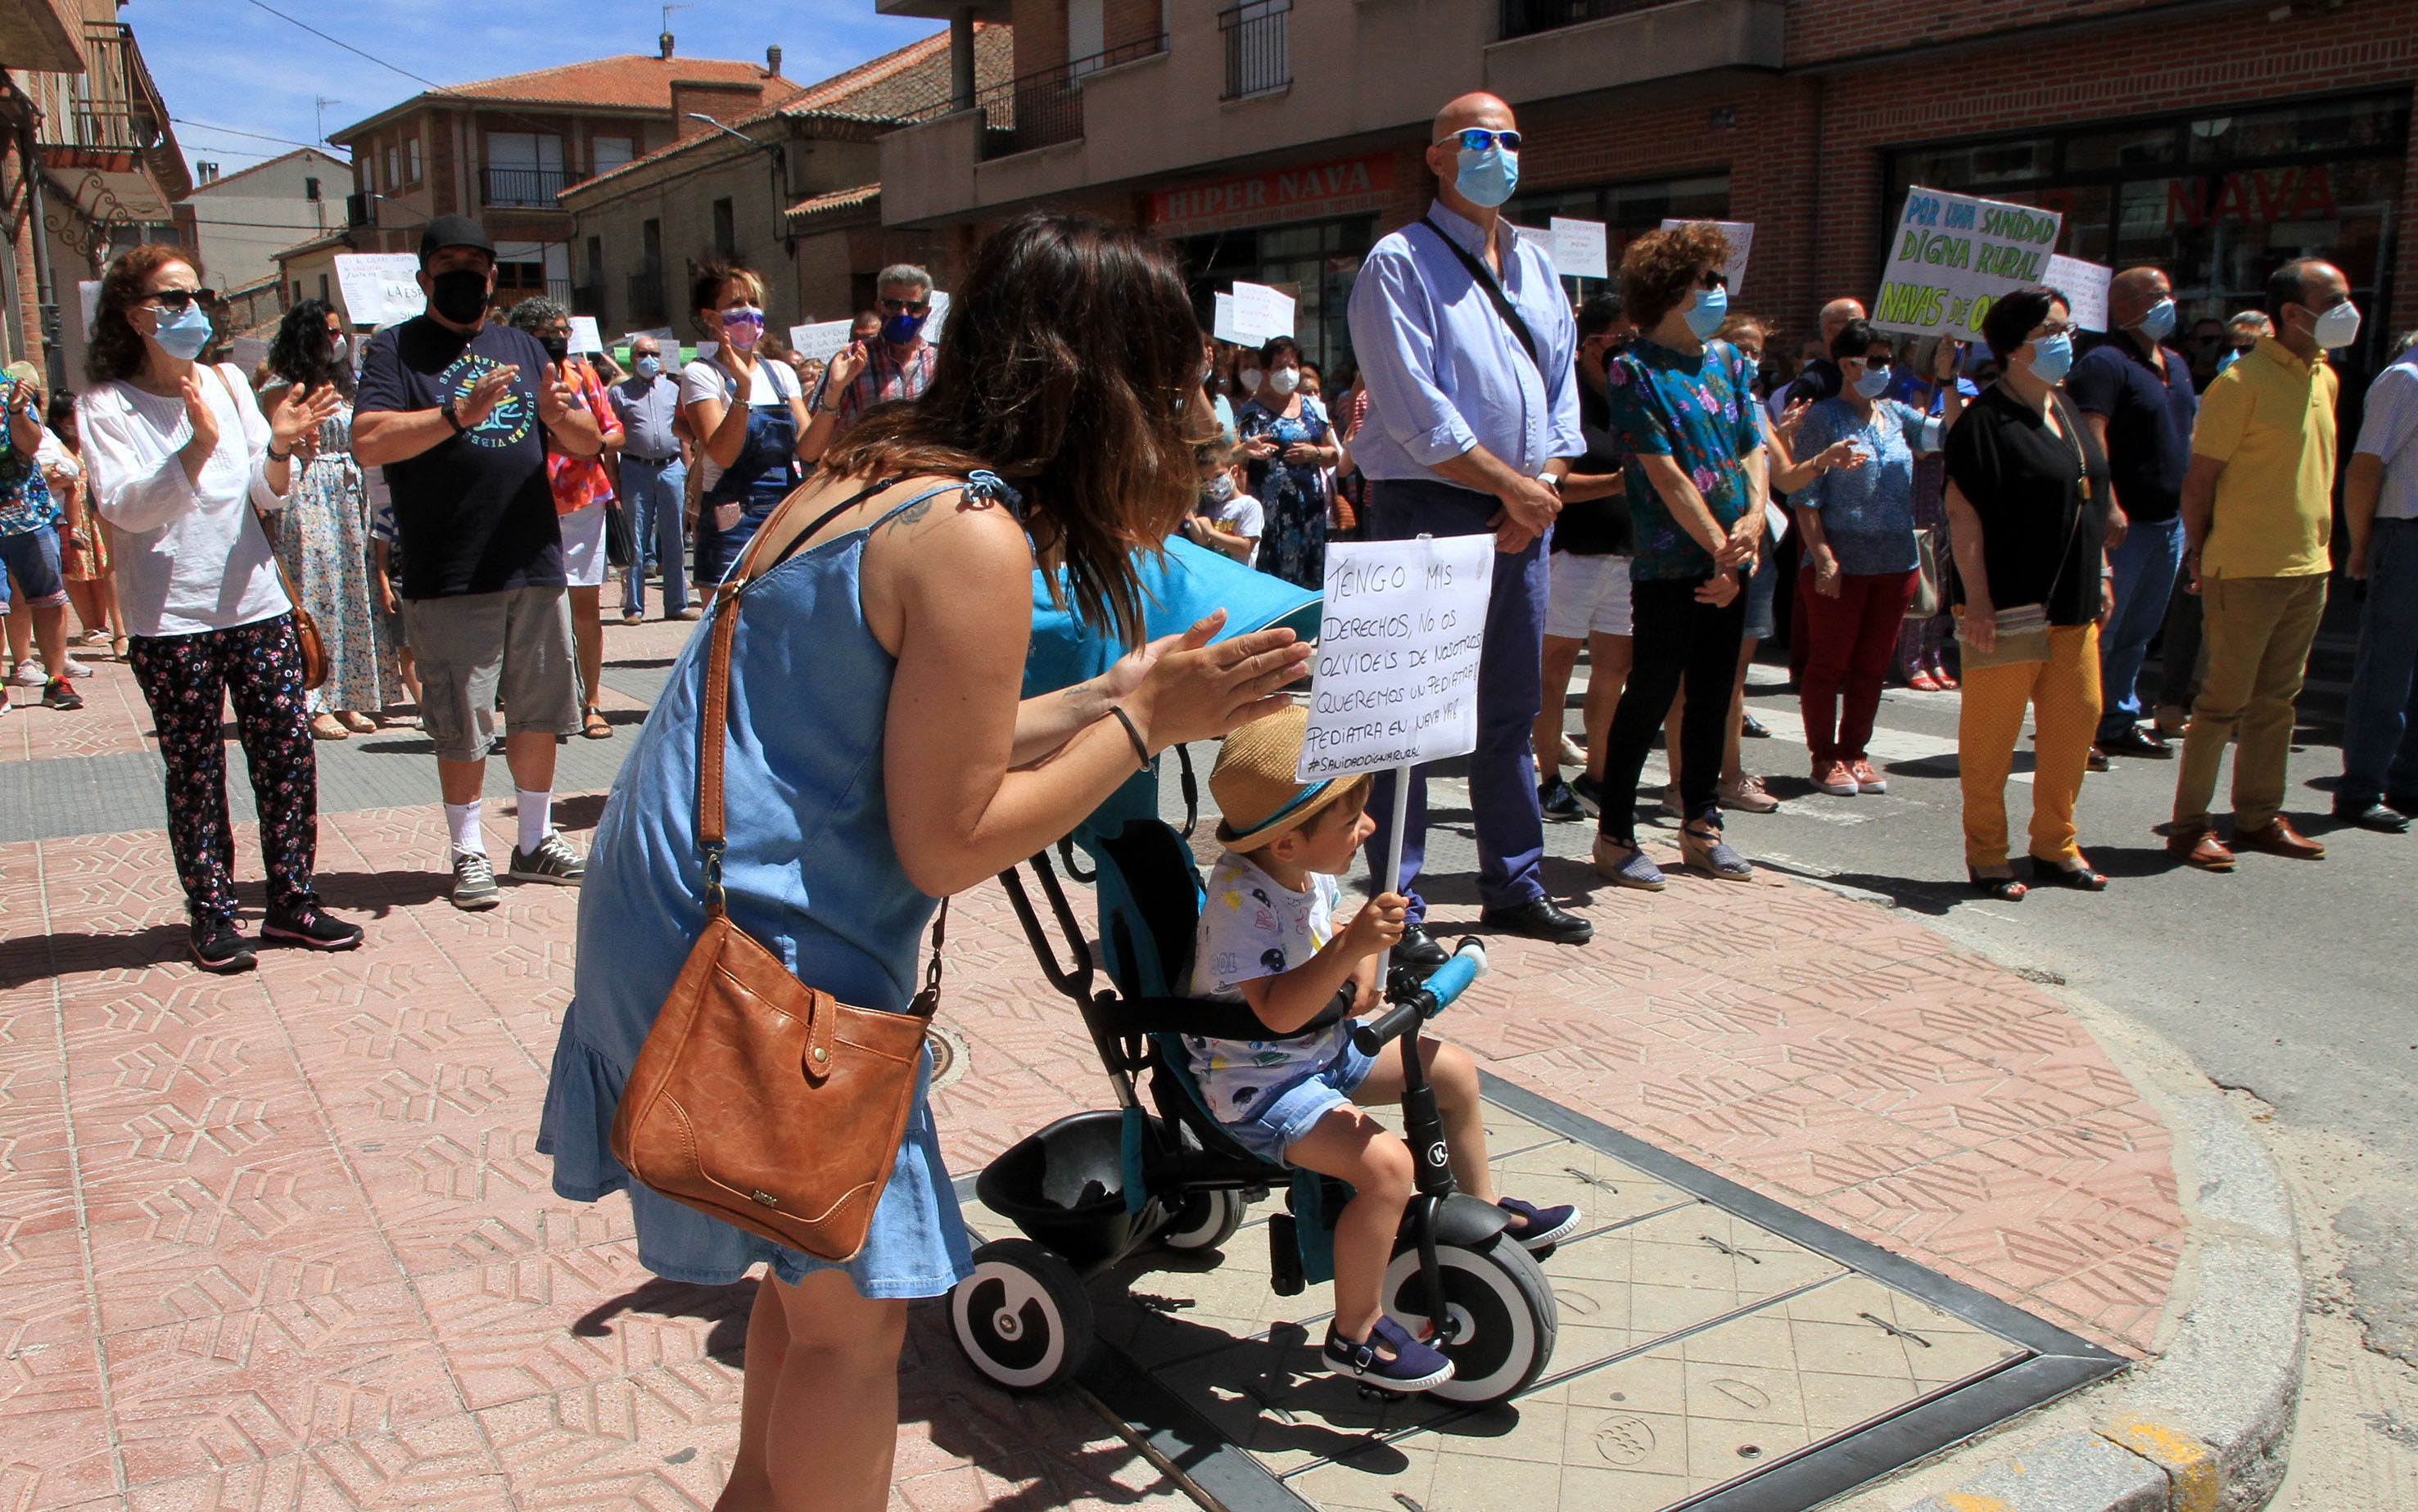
x=451, y=419
x=1551, y=480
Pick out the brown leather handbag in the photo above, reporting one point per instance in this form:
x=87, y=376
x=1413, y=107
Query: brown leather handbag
x=757, y=1099
x=306, y=629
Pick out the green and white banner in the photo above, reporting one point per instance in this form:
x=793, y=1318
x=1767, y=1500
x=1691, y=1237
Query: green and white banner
x=1952, y=256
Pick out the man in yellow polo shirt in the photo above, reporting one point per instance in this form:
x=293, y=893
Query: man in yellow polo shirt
x=2257, y=507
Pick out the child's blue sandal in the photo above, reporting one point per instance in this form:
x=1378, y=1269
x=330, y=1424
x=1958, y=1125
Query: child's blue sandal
x=1414, y=1367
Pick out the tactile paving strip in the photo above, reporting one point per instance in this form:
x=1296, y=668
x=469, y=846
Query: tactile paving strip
x=1716, y=1351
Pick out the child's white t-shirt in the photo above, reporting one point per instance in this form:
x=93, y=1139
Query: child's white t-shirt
x=1252, y=926
x=1240, y=515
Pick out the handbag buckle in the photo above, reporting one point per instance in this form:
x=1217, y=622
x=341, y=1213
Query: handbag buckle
x=714, y=876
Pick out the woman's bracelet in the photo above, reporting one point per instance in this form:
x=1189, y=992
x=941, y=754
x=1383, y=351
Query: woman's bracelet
x=1142, y=752
x=275, y=455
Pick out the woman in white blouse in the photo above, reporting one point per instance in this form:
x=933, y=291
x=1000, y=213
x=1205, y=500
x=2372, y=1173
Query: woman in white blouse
x=179, y=457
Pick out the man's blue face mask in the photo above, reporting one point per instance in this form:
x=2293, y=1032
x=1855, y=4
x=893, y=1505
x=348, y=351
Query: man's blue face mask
x=1489, y=175
x=2158, y=323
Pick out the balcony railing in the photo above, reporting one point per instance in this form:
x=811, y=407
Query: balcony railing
x=525, y=187
x=1257, y=56
x=1525, y=18
x=110, y=107
x=1046, y=108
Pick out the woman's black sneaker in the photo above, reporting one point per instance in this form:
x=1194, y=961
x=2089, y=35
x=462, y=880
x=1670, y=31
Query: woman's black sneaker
x=1588, y=794
x=307, y=925
x=217, y=947
x=1413, y=1367
x=1554, y=801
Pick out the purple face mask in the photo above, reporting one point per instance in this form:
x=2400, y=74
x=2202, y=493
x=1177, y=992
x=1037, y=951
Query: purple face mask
x=742, y=326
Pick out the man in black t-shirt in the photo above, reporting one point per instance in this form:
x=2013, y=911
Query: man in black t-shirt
x=1587, y=605
x=459, y=413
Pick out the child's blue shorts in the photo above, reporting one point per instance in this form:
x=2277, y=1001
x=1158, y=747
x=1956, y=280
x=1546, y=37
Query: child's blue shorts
x=1285, y=1117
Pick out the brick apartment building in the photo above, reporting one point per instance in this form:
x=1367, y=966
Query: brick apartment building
x=1276, y=139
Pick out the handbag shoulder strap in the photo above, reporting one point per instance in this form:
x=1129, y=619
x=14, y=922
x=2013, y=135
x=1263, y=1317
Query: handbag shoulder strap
x=1494, y=287
x=285, y=580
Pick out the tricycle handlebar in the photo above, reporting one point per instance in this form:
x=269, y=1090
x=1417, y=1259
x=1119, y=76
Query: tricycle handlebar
x=1430, y=997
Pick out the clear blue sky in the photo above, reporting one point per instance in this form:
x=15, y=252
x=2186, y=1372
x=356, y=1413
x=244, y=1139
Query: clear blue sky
x=234, y=64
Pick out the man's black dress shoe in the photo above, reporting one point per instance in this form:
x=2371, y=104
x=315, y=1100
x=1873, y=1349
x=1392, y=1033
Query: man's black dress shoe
x=1419, y=952
x=2377, y=816
x=2137, y=741
x=1538, y=919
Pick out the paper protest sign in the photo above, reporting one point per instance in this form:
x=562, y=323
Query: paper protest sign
x=1577, y=248
x=1260, y=314
x=2085, y=287
x=1396, y=677
x=938, y=318
x=1221, y=319
x=379, y=289
x=585, y=337
x=88, y=294
x=248, y=353
x=821, y=341
x=1742, y=239
x=1952, y=255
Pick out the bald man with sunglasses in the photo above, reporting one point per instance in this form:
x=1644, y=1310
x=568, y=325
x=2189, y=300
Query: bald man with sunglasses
x=1468, y=345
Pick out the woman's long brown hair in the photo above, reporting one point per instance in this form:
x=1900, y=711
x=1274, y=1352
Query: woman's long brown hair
x=116, y=347
x=1072, y=349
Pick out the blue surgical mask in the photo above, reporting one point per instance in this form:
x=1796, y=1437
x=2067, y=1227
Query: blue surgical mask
x=185, y=333
x=1873, y=382
x=651, y=367
x=1488, y=178
x=2158, y=323
x=900, y=328
x=1712, y=307
x=2053, y=357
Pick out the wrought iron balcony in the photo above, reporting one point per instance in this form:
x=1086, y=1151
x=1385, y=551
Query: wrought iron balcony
x=524, y=186
x=1258, y=58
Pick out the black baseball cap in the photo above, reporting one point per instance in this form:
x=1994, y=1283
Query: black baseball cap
x=452, y=231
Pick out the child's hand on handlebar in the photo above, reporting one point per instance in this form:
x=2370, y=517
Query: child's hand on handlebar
x=1378, y=925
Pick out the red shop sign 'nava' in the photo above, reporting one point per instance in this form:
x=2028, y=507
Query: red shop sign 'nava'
x=1348, y=187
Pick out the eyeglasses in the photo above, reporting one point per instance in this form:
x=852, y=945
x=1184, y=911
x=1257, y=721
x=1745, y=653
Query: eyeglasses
x=1478, y=139
x=905, y=307
x=2066, y=329
x=180, y=301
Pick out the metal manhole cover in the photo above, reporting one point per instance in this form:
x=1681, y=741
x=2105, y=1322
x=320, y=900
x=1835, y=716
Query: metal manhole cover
x=949, y=1057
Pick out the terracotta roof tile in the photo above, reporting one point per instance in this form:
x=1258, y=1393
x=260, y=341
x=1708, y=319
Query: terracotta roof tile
x=632, y=81
x=837, y=199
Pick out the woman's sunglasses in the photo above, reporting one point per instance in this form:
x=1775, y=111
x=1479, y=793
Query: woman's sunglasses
x=1712, y=278
x=1478, y=139
x=180, y=301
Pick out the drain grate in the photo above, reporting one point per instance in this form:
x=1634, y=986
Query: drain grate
x=1717, y=1351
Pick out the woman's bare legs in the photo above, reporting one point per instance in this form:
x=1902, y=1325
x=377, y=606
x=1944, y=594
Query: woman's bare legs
x=1561, y=659
x=819, y=1417
x=588, y=635
x=1608, y=660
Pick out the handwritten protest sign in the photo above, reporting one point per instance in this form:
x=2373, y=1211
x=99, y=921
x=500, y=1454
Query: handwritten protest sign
x=88, y=294
x=938, y=320
x=1953, y=256
x=1261, y=312
x=2085, y=287
x=1577, y=248
x=1221, y=319
x=585, y=337
x=1396, y=677
x=379, y=289
x=820, y=341
x=1742, y=239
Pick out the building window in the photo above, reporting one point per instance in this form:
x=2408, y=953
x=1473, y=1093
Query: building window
x=1257, y=56
x=726, y=229
x=323, y=285
x=523, y=168
x=311, y=190
x=393, y=166
x=609, y=152
x=1087, y=34
x=411, y=161
x=2218, y=201
x=596, y=261
x=298, y=291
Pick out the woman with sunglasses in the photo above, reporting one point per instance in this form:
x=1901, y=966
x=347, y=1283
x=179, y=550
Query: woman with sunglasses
x=750, y=411
x=2027, y=497
x=1858, y=535
x=181, y=456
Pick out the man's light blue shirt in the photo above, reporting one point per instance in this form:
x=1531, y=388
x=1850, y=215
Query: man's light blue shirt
x=646, y=408
x=2389, y=431
x=1443, y=370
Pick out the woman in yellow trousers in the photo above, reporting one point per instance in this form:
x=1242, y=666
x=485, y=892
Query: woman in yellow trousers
x=2027, y=505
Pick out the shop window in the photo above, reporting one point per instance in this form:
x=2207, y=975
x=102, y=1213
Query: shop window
x=1316, y=262
x=2218, y=201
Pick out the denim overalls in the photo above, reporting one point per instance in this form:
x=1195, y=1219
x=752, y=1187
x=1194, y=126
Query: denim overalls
x=756, y=480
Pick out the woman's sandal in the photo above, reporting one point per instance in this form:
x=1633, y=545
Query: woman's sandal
x=2005, y=889
x=1704, y=852
x=2057, y=874
x=357, y=722
x=596, y=728
x=327, y=727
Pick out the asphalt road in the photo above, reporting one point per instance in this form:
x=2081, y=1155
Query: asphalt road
x=2290, y=980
